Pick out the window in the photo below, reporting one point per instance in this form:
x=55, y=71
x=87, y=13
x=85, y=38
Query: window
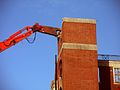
x=60, y=68
x=98, y=74
x=117, y=75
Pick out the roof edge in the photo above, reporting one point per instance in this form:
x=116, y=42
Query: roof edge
x=81, y=20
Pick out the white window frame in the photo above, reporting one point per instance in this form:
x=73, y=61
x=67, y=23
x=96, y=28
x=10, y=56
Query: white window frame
x=115, y=75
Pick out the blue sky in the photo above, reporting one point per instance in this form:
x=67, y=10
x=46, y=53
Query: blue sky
x=31, y=66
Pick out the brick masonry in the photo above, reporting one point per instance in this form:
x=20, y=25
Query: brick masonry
x=77, y=68
x=106, y=74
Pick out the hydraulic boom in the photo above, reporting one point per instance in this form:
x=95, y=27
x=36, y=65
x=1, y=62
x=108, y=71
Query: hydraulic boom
x=21, y=34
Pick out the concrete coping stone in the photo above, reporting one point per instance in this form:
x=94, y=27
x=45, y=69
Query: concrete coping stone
x=81, y=20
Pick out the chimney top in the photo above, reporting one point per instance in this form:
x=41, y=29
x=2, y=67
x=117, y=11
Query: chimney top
x=81, y=20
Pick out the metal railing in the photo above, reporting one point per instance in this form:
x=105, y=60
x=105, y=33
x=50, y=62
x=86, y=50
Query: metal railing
x=108, y=57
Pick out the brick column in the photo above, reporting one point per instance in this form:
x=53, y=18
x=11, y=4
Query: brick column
x=77, y=55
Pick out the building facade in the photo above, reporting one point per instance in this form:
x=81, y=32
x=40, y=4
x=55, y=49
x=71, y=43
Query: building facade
x=78, y=67
x=77, y=55
x=109, y=75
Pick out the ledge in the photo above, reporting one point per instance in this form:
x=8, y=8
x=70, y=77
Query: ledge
x=81, y=20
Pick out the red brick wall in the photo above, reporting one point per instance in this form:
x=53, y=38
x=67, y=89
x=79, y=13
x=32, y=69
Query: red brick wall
x=79, y=32
x=107, y=77
x=79, y=67
x=116, y=87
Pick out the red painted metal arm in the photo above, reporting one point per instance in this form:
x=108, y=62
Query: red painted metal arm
x=15, y=38
x=19, y=35
x=47, y=30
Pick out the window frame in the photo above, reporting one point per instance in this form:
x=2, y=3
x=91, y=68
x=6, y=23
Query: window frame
x=114, y=75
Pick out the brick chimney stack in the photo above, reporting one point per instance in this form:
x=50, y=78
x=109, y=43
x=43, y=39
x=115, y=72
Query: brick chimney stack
x=77, y=55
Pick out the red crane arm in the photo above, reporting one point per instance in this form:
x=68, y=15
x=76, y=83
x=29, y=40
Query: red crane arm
x=15, y=38
x=20, y=35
